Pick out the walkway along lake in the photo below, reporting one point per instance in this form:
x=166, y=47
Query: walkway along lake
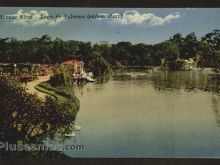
x=170, y=114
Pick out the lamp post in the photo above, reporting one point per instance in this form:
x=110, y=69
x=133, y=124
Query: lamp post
x=15, y=71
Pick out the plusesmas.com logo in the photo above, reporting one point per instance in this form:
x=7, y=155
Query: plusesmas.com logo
x=40, y=147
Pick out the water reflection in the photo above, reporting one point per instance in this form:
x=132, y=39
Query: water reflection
x=216, y=108
x=186, y=80
x=103, y=79
x=168, y=114
x=175, y=80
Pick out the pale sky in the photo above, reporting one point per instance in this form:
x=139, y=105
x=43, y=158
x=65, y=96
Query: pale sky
x=138, y=25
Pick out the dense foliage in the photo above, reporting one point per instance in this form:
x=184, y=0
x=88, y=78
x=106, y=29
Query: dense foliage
x=46, y=50
x=97, y=64
x=62, y=75
x=25, y=118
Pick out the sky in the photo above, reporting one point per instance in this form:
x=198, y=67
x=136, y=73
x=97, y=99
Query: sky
x=136, y=25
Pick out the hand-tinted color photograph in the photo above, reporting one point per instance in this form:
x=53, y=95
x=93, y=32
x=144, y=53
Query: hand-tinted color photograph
x=109, y=82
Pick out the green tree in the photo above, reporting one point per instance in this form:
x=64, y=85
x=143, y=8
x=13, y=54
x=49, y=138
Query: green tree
x=97, y=64
x=213, y=39
x=169, y=50
x=25, y=118
x=189, y=48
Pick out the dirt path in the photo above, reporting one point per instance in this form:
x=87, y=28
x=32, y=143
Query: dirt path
x=31, y=86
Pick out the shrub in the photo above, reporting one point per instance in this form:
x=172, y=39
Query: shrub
x=24, y=117
x=175, y=64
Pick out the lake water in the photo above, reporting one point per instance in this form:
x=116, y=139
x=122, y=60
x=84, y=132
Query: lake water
x=169, y=114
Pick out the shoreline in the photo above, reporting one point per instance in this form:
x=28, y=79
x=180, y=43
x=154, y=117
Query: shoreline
x=31, y=86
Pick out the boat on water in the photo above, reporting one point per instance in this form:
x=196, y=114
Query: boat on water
x=88, y=77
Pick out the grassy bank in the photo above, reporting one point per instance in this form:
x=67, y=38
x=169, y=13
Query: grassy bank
x=48, y=89
x=67, y=101
x=30, y=119
x=59, y=95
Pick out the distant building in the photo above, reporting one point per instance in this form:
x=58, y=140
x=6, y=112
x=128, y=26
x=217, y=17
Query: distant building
x=163, y=62
x=189, y=64
x=78, y=66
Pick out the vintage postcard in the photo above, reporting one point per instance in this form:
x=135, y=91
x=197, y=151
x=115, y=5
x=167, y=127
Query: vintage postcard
x=109, y=82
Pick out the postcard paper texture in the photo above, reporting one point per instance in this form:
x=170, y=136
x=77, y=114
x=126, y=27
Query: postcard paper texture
x=109, y=82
